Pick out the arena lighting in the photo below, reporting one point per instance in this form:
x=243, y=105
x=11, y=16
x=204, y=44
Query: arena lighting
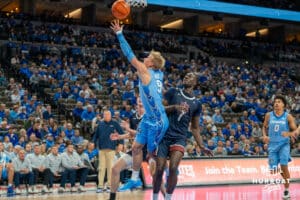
x=74, y=14
x=230, y=8
x=173, y=25
x=263, y=31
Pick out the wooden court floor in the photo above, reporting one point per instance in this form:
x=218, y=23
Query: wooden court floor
x=134, y=195
x=227, y=192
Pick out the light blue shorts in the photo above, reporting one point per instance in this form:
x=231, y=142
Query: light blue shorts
x=4, y=174
x=150, y=134
x=279, y=153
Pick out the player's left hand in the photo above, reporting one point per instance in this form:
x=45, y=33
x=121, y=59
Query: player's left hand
x=207, y=151
x=289, y=134
x=285, y=134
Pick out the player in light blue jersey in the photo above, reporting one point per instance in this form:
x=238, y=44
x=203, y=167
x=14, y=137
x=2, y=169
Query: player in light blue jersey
x=276, y=124
x=6, y=170
x=155, y=121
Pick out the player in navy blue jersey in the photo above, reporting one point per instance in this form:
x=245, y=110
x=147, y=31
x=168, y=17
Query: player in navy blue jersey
x=155, y=122
x=276, y=126
x=183, y=108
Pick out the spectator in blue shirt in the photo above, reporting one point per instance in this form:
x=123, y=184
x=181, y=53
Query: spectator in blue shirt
x=253, y=116
x=88, y=114
x=13, y=137
x=217, y=117
x=34, y=129
x=2, y=110
x=126, y=112
x=81, y=97
x=77, y=111
x=91, y=151
x=57, y=94
x=76, y=138
x=49, y=141
x=47, y=114
x=128, y=94
x=69, y=131
x=23, y=114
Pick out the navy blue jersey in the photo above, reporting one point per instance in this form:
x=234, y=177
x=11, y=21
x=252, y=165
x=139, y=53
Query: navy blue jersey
x=134, y=121
x=179, y=121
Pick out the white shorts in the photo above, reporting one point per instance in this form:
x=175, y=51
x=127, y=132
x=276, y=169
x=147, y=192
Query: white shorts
x=128, y=160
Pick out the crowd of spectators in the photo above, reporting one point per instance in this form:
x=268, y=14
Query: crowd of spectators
x=78, y=37
x=85, y=82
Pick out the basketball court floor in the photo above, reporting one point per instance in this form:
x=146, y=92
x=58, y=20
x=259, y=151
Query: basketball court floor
x=233, y=192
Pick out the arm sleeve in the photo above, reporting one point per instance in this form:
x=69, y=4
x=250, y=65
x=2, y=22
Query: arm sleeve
x=126, y=49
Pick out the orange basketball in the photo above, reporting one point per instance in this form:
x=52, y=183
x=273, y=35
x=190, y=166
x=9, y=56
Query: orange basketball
x=120, y=9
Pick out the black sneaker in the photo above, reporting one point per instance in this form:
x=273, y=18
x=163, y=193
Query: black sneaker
x=286, y=195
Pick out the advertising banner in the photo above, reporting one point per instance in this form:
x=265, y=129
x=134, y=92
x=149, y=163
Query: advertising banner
x=226, y=171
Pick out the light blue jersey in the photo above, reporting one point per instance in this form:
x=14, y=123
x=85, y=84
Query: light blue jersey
x=278, y=125
x=279, y=146
x=3, y=160
x=155, y=122
x=151, y=96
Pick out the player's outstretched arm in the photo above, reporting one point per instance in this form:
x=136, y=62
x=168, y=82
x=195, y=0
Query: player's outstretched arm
x=126, y=49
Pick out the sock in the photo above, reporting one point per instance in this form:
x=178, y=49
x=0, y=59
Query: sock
x=286, y=189
x=135, y=175
x=168, y=196
x=112, y=196
x=155, y=196
x=9, y=185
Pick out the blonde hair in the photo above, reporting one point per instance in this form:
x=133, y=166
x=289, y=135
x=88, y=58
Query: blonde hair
x=158, y=60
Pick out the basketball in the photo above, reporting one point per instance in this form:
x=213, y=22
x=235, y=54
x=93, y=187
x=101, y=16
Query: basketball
x=120, y=9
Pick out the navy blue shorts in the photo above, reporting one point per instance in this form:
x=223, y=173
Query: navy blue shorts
x=168, y=145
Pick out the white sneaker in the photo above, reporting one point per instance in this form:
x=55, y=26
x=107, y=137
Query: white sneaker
x=45, y=189
x=50, y=190
x=35, y=189
x=73, y=189
x=18, y=191
x=30, y=190
x=81, y=189
x=61, y=190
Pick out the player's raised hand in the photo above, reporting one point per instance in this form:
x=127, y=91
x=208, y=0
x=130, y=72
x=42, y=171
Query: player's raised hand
x=115, y=26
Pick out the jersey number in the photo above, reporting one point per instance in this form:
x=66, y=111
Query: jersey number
x=159, y=86
x=276, y=128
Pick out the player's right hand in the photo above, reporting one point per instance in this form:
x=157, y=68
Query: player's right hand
x=115, y=26
x=265, y=139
